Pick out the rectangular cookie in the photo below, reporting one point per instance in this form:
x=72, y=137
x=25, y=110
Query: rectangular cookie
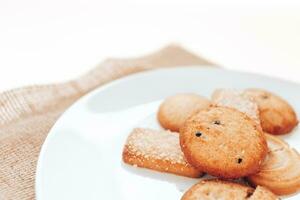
x=157, y=150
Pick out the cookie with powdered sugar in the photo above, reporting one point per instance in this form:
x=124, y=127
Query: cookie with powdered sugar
x=236, y=99
x=157, y=150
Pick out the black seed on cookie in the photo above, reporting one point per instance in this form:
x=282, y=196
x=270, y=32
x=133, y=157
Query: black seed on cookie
x=223, y=144
x=217, y=122
x=239, y=160
x=249, y=194
x=265, y=96
x=198, y=134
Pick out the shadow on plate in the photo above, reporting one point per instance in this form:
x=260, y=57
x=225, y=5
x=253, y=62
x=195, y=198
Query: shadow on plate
x=182, y=183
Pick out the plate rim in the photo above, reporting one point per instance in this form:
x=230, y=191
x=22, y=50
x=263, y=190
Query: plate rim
x=39, y=167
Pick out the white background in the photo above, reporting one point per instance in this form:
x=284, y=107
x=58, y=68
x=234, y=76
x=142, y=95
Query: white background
x=57, y=40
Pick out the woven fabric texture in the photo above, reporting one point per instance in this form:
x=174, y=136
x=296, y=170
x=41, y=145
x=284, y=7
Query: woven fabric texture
x=27, y=114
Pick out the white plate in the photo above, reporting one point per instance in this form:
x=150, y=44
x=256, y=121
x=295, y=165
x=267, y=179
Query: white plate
x=81, y=158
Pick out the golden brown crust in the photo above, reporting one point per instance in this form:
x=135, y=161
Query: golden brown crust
x=217, y=189
x=226, y=190
x=277, y=115
x=175, y=110
x=160, y=165
x=280, y=171
x=229, y=144
x=159, y=151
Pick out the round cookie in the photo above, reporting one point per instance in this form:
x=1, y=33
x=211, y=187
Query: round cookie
x=223, y=142
x=217, y=189
x=175, y=110
x=276, y=115
x=226, y=190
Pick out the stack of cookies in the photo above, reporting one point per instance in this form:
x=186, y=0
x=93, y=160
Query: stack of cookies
x=231, y=136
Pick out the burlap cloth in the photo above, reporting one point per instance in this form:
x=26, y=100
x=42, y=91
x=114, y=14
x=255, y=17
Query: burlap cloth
x=27, y=114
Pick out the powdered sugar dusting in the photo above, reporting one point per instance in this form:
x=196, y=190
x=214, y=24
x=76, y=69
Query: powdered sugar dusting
x=238, y=100
x=152, y=144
